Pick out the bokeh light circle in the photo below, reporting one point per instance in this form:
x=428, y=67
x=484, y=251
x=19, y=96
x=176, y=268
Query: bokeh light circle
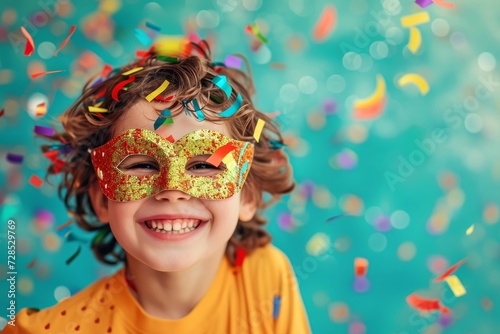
x=335, y=83
x=308, y=85
x=487, y=61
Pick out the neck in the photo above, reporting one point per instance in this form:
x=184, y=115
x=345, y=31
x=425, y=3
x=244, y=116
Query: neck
x=171, y=295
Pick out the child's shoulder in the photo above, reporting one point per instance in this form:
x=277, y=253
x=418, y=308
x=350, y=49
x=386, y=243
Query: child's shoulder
x=268, y=263
x=92, y=305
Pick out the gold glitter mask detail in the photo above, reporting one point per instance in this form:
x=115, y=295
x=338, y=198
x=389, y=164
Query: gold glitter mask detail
x=139, y=163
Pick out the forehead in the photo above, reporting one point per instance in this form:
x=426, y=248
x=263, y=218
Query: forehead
x=143, y=114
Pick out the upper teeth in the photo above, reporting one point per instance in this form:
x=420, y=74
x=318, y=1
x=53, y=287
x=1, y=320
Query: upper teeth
x=174, y=224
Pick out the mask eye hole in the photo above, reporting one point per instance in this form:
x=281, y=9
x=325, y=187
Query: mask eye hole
x=139, y=165
x=198, y=166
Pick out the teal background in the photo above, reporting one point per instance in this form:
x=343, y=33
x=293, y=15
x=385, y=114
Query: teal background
x=410, y=229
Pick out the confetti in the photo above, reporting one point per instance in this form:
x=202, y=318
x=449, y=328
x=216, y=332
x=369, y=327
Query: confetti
x=64, y=225
x=373, y=105
x=326, y=23
x=40, y=74
x=164, y=118
x=415, y=19
x=415, y=79
x=276, y=306
x=152, y=26
x=233, y=108
x=258, y=129
x=143, y=37
x=360, y=266
x=15, y=158
x=32, y=263
x=455, y=285
x=170, y=138
x=157, y=91
x=443, y=3
x=2, y=112
x=424, y=304
x=30, y=45
x=216, y=158
x=334, y=218
x=172, y=46
x=35, y=181
x=233, y=61
x=415, y=40
x=97, y=109
x=132, y=71
x=119, y=87
x=44, y=131
x=72, y=257
x=164, y=99
x=66, y=40
x=423, y=3
x=449, y=271
x=229, y=162
x=470, y=230
x=41, y=109
x=254, y=29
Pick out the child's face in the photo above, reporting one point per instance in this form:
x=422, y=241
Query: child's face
x=131, y=221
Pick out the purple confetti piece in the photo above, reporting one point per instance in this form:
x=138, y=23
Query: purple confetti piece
x=15, y=158
x=423, y=3
x=44, y=131
x=232, y=61
x=361, y=284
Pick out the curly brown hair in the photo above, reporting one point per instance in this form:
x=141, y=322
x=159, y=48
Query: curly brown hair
x=190, y=78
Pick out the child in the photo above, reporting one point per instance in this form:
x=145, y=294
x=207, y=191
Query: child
x=162, y=163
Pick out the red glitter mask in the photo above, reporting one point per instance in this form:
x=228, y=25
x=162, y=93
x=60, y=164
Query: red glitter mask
x=139, y=163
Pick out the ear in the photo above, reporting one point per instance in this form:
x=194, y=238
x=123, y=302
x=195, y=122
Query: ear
x=248, y=207
x=99, y=202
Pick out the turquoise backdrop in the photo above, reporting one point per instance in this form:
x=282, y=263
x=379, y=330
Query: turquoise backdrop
x=413, y=190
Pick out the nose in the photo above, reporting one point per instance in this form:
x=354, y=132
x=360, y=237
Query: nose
x=172, y=195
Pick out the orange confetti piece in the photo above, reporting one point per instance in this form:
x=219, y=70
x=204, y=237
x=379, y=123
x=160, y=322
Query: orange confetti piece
x=449, y=271
x=373, y=105
x=35, y=181
x=41, y=109
x=66, y=40
x=326, y=23
x=360, y=266
x=30, y=45
x=216, y=158
x=443, y=4
x=40, y=74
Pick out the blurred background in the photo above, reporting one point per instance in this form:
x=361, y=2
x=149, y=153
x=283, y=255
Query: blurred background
x=396, y=181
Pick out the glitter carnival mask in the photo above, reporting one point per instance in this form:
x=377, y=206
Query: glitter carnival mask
x=139, y=163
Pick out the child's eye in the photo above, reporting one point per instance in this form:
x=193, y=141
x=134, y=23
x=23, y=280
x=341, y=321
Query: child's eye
x=198, y=166
x=139, y=165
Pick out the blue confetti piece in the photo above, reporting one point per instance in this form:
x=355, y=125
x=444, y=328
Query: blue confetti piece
x=233, y=108
x=152, y=26
x=164, y=118
x=276, y=304
x=199, y=114
x=143, y=37
x=15, y=158
x=221, y=82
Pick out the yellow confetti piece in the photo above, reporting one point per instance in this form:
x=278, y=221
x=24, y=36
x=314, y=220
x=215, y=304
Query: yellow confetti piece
x=415, y=40
x=415, y=19
x=375, y=97
x=157, y=91
x=229, y=161
x=97, y=109
x=258, y=129
x=41, y=109
x=172, y=46
x=455, y=285
x=415, y=79
x=132, y=71
x=470, y=230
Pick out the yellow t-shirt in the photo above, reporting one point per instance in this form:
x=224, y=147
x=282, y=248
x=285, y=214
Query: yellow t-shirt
x=263, y=297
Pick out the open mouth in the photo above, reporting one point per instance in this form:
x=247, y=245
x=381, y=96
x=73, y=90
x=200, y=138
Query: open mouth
x=175, y=226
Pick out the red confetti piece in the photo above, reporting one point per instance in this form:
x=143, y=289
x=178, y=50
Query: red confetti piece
x=2, y=112
x=40, y=74
x=239, y=258
x=106, y=70
x=30, y=45
x=41, y=109
x=66, y=40
x=443, y=3
x=216, y=158
x=164, y=99
x=326, y=23
x=35, y=181
x=101, y=93
x=170, y=138
x=449, y=271
x=58, y=165
x=51, y=155
x=31, y=264
x=119, y=86
x=423, y=304
x=360, y=266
